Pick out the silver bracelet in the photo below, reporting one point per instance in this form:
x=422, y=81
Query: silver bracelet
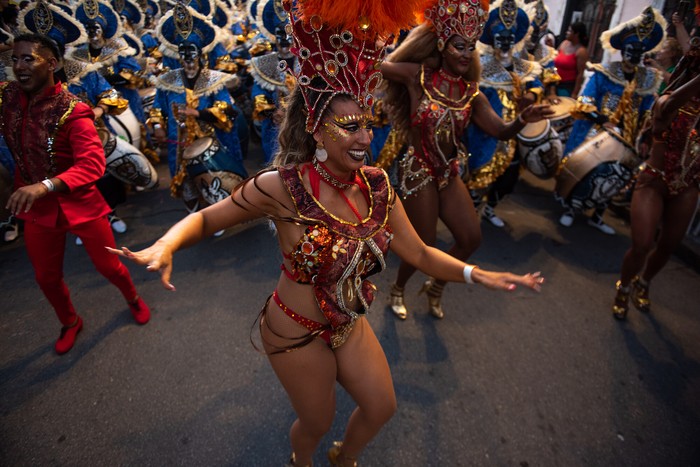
x=48, y=184
x=521, y=119
x=467, y=272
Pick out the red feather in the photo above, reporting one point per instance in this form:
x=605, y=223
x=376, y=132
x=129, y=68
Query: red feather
x=385, y=17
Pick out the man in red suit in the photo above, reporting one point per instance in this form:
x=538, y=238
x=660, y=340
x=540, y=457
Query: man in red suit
x=58, y=157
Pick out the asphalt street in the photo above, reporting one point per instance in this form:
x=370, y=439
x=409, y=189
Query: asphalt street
x=506, y=379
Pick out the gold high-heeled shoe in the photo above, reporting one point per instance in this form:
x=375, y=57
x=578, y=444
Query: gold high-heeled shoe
x=397, y=305
x=434, y=293
x=621, y=304
x=640, y=295
x=293, y=462
x=337, y=459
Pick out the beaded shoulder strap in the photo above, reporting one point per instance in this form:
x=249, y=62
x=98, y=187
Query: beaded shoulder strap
x=309, y=209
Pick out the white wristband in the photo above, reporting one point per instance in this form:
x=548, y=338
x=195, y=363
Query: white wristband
x=467, y=272
x=49, y=185
x=521, y=119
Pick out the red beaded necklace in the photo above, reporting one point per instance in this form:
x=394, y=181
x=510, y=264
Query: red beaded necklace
x=320, y=172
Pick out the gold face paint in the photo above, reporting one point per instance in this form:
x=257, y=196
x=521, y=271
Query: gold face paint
x=344, y=126
x=458, y=51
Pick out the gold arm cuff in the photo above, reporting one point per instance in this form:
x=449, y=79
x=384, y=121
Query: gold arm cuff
x=224, y=63
x=155, y=53
x=550, y=77
x=155, y=117
x=581, y=110
x=219, y=112
x=538, y=92
x=262, y=105
x=115, y=104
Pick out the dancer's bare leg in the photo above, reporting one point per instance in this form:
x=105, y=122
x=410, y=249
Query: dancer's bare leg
x=422, y=210
x=364, y=373
x=457, y=212
x=308, y=375
x=646, y=212
x=676, y=218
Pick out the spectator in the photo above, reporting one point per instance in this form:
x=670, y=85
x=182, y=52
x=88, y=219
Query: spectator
x=571, y=60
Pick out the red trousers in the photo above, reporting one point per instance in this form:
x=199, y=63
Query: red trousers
x=46, y=248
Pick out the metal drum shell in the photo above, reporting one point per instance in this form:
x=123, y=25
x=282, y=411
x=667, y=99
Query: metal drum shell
x=606, y=146
x=125, y=162
x=206, y=164
x=540, y=148
x=127, y=126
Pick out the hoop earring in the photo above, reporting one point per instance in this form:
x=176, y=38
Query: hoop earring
x=320, y=154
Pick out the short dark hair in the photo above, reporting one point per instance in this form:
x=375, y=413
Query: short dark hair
x=580, y=29
x=44, y=42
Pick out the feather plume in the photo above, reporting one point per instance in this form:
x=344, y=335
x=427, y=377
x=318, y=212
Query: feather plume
x=385, y=17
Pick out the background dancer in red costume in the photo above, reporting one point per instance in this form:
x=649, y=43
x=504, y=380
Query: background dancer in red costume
x=58, y=157
x=335, y=219
x=432, y=94
x=666, y=192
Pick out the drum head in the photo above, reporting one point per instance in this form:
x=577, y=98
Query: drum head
x=535, y=130
x=563, y=108
x=197, y=147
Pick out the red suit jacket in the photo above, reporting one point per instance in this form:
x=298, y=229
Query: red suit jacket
x=54, y=135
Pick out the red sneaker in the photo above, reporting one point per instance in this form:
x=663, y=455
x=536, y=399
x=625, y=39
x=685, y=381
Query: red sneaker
x=140, y=311
x=67, y=338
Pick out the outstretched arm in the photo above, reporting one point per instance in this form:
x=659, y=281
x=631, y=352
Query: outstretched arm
x=253, y=199
x=436, y=263
x=492, y=124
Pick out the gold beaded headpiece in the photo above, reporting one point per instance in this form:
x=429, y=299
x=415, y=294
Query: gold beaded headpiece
x=465, y=18
x=340, y=46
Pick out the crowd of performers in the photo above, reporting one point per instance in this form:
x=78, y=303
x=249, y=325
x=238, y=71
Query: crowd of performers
x=468, y=102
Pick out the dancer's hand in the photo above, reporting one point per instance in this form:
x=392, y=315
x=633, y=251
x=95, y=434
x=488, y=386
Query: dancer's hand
x=23, y=198
x=157, y=257
x=507, y=280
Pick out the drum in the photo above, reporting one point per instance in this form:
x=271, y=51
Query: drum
x=148, y=95
x=562, y=121
x=126, y=163
x=540, y=148
x=211, y=169
x=127, y=126
x=604, y=149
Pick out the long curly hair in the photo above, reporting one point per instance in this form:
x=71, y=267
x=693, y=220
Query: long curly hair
x=296, y=145
x=420, y=46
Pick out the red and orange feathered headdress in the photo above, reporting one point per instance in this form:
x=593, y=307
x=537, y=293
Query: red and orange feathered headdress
x=340, y=46
x=464, y=18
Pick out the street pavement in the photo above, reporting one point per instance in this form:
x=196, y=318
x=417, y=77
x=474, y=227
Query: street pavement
x=506, y=379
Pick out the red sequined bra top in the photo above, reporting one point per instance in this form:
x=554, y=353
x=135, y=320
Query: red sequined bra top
x=682, y=157
x=336, y=256
x=441, y=121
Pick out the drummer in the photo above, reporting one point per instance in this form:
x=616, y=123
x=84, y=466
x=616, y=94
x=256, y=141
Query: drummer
x=192, y=101
x=510, y=84
x=618, y=98
x=107, y=48
x=216, y=55
x=270, y=82
x=536, y=51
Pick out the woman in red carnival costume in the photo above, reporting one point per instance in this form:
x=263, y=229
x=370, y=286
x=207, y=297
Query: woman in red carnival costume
x=432, y=94
x=335, y=219
x=666, y=192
